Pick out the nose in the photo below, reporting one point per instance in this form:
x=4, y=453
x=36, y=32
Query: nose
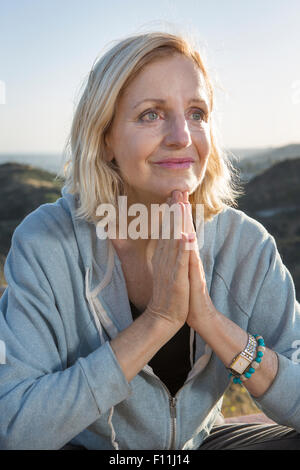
x=177, y=134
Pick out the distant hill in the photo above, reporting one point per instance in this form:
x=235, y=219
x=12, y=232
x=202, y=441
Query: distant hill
x=23, y=188
x=253, y=162
x=273, y=198
x=51, y=162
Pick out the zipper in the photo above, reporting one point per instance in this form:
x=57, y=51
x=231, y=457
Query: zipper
x=172, y=407
x=172, y=402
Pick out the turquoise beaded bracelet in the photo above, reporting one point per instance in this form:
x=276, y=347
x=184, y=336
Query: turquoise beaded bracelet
x=254, y=365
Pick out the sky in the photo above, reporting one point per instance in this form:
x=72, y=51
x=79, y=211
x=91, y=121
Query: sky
x=47, y=48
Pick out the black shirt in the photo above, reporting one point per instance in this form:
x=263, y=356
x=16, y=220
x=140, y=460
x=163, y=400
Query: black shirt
x=172, y=362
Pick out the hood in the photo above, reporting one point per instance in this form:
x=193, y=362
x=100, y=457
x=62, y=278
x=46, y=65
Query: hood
x=99, y=290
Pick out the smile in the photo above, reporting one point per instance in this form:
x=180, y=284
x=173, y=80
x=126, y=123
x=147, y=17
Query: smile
x=175, y=165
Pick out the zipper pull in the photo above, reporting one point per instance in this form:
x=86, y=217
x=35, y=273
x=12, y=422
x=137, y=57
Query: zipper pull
x=173, y=407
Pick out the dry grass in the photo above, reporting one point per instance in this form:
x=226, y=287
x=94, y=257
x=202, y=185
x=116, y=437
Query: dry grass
x=39, y=183
x=237, y=402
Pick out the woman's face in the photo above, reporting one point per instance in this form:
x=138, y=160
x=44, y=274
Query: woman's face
x=162, y=115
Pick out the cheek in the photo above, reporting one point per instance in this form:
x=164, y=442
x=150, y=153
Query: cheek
x=141, y=147
x=203, y=142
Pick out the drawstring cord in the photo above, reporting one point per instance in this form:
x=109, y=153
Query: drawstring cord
x=91, y=304
x=98, y=313
x=113, y=433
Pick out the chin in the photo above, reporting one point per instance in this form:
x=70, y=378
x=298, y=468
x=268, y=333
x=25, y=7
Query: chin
x=183, y=186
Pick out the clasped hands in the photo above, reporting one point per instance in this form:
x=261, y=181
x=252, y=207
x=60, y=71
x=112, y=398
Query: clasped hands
x=201, y=307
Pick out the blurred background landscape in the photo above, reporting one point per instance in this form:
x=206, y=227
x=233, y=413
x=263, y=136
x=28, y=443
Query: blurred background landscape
x=251, y=50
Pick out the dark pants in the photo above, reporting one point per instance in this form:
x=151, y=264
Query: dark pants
x=245, y=436
x=251, y=436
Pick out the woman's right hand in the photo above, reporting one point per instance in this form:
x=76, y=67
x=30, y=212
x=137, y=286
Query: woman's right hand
x=167, y=309
x=170, y=263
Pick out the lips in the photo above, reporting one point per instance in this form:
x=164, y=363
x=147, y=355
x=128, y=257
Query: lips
x=175, y=163
x=176, y=160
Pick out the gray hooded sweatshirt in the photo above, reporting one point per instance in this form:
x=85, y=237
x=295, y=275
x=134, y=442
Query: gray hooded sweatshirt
x=60, y=381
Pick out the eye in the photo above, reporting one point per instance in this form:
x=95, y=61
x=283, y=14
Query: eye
x=152, y=115
x=200, y=114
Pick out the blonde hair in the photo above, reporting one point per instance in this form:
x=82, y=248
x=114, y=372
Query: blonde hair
x=88, y=173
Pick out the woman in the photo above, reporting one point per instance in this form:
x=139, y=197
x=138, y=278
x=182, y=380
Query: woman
x=125, y=343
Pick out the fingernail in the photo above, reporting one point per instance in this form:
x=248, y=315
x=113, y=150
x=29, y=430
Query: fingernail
x=191, y=237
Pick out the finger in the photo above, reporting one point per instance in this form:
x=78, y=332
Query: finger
x=175, y=198
x=164, y=216
x=177, y=195
x=189, y=227
x=172, y=218
x=179, y=219
x=175, y=236
x=161, y=250
x=169, y=237
x=173, y=245
x=186, y=197
x=182, y=261
x=169, y=218
x=196, y=270
x=171, y=200
x=189, y=224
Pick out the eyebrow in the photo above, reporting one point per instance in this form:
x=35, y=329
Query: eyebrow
x=160, y=101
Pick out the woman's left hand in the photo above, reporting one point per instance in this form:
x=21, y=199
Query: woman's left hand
x=201, y=307
x=224, y=336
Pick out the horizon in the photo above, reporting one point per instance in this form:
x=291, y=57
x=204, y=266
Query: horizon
x=258, y=101
x=53, y=162
x=57, y=153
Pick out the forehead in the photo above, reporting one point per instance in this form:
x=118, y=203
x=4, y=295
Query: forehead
x=169, y=75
